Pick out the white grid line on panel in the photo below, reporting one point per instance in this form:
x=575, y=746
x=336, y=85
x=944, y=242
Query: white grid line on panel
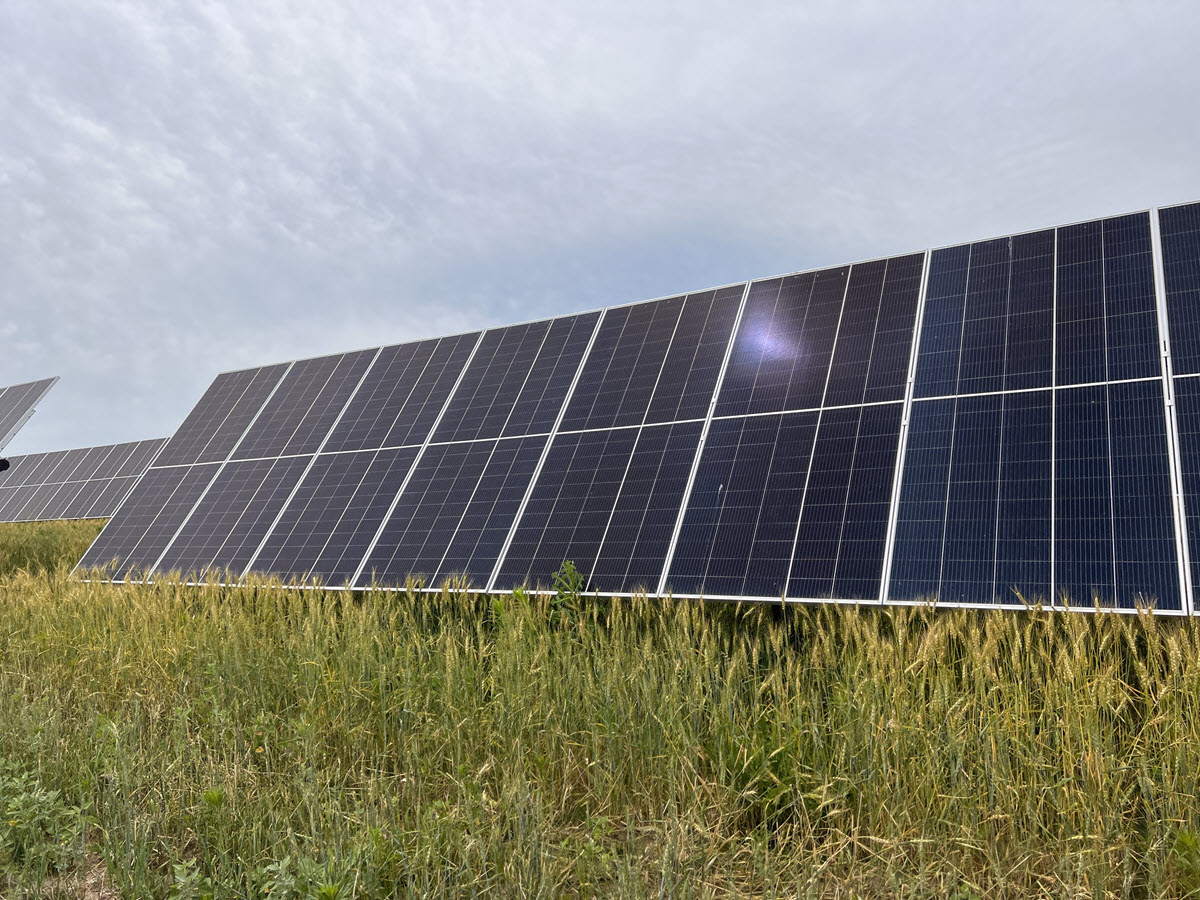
x=812, y=452
x=669, y=557
x=537, y=470
x=308, y=468
x=1032, y=390
x=387, y=516
x=1174, y=455
x=889, y=547
x=1053, y=599
x=149, y=572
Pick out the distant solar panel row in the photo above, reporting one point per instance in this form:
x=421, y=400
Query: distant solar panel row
x=987, y=424
x=87, y=483
x=17, y=403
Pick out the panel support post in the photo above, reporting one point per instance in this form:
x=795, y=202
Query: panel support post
x=889, y=546
x=1182, y=554
x=712, y=407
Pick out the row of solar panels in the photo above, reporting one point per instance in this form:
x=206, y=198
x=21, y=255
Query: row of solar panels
x=87, y=483
x=988, y=424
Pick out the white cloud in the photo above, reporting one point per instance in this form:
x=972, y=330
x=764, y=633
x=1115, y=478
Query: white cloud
x=192, y=187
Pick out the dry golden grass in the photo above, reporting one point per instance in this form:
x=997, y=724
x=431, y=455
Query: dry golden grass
x=210, y=741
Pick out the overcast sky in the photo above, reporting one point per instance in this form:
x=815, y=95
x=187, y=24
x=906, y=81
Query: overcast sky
x=190, y=187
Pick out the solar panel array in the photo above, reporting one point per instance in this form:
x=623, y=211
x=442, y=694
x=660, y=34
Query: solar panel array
x=17, y=403
x=1008, y=421
x=88, y=483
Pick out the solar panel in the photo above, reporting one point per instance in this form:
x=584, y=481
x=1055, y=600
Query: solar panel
x=17, y=403
x=989, y=424
x=88, y=483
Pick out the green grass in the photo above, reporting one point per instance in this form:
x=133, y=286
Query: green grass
x=207, y=741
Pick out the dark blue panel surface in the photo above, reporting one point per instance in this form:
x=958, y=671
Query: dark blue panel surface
x=969, y=544
x=298, y=417
x=149, y=518
x=942, y=322
x=1107, y=325
x=402, y=394
x=328, y=526
x=921, y=520
x=450, y=483
x=1083, y=537
x=1028, y=354
x=620, y=374
x=985, y=314
x=818, y=538
x=472, y=552
x=689, y=376
x=1023, y=515
x=1143, y=513
x=641, y=523
x=230, y=521
x=1180, y=233
x=570, y=507
x=892, y=344
x=868, y=503
x=1187, y=401
x=740, y=524
x=542, y=397
x=518, y=378
x=214, y=426
x=784, y=344
x=988, y=317
x=856, y=331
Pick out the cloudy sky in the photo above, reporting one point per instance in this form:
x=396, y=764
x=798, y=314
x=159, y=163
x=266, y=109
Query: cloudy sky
x=190, y=187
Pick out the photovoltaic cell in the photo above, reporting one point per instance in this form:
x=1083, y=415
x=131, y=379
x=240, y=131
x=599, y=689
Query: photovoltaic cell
x=148, y=520
x=298, y=416
x=402, y=394
x=693, y=362
x=569, y=509
x=328, y=527
x=737, y=533
x=1187, y=398
x=639, y=526
x=840, y=542
x=988, y=317
x=1107, y=324
x=974, y=517
x=618, y=379
x=231, y=519
x=452, y=519
x=1180, y=229
x=781, y=353
x=517, y=379
x=213, y=427
x=1114, y=527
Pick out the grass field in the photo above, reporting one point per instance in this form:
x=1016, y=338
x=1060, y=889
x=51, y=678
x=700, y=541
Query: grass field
x=179, y=742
